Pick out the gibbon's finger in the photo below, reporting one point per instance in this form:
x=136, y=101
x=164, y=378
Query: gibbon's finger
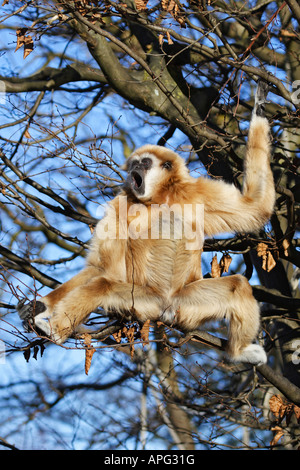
x=262, y=91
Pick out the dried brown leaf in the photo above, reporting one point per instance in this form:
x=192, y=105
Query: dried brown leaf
x=88, y=359
x=141, y=5
x=277, y=406
x=131, y=350
x=297, y=412
x=27, y=134
x=225, y=263
x=278, y=433
x=145, y=332
x=170, y=41
x=89, y=352
x=285, y=245
x=288, y=34
x=130, y=333
x=20, y=37
x=168, y=5
x=215, y=267
x=28, y=46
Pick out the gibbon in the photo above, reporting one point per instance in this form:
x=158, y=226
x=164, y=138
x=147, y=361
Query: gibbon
x=134, y=272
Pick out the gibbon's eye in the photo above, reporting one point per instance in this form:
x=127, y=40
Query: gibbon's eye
x=167, y=165
x=147, y=163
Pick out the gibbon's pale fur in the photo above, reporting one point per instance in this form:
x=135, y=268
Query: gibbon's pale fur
x=159, y=278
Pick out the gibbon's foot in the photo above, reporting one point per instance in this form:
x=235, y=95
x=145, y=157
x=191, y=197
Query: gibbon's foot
x=29, y=311
x=260, y=98
x=252, y=354
x=34, y=316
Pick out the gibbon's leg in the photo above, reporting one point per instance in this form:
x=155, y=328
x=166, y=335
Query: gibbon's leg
x=37, y=310
x=73, y=308
x=230, y=297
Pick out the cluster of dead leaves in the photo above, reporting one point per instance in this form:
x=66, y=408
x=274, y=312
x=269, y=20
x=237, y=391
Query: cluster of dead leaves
x=219, y=268
x=36, y=348
x=90, y=8
x=132, y=332
x=161, y=38
x=268, y=259
x=83, y=5
x=24, y=40
x=170, y=6
x=264, y=252
x=282, y=410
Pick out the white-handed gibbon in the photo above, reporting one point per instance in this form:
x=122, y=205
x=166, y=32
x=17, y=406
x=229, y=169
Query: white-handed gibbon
x=155, y=277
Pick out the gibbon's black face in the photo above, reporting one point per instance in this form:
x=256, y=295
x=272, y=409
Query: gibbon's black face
x=137, y=175
x=146, y=172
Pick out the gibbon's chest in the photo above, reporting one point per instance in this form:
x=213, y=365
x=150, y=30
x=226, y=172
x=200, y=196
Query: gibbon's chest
x=154, y=249
x=163, y=264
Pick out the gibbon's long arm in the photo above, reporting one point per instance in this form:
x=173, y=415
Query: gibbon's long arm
x=226, y=209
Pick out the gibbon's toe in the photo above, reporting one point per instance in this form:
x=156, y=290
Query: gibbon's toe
x=252, y=354
x=31, y=309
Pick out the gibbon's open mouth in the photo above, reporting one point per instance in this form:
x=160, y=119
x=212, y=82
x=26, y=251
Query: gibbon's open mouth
x=137, y=179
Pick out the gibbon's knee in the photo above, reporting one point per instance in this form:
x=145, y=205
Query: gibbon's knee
x=242, y=312
x=230, y=297
x=209, y=299
x=239, y=284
